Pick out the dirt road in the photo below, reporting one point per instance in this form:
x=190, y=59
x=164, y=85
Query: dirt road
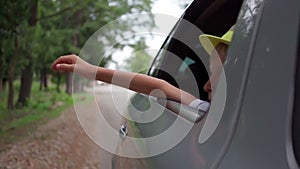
x=60, y=144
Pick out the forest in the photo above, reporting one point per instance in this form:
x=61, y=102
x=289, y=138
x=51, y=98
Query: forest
x=33, y=33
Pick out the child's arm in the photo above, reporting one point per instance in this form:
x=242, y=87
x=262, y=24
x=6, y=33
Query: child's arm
x=137, y=82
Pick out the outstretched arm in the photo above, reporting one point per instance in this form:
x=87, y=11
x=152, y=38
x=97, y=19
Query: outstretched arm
x=137, y=82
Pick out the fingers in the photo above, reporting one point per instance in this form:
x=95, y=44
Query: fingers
x=62, y=62
x=65, y=67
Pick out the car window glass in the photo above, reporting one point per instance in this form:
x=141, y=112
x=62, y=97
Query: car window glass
x=179, y=65
x=185, y=64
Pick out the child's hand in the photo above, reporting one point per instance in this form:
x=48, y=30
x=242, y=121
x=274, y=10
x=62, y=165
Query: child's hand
x=73, y=63
x=65, y=63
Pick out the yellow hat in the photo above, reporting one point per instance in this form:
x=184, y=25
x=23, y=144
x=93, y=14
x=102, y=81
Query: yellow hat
x=209, y=42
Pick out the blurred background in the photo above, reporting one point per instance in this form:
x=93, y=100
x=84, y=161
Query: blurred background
x=33, y=33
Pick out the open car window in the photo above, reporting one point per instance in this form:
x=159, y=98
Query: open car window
x=184, y=64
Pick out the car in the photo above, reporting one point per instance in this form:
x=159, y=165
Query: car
x=255, y=119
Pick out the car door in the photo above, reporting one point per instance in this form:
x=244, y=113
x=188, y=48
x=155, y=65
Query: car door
x=184, y=63
x=262, y=135
x=249, y=124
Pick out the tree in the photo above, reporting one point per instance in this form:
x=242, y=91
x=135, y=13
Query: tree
x=34, y=33
x=27, y=72
x=1, y=70
x=91, y=16
x=13, y=15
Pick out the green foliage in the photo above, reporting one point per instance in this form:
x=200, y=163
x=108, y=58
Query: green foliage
x=13, y=22
x=57, y=28
x=42, y=107
x=140, y=61
x=13, y=14
x=41, y=101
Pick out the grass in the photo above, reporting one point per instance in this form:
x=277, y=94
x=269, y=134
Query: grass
x=42, y=107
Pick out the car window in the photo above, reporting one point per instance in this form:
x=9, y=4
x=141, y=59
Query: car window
x=185, y=64
x=183, y=70
x=180, y=65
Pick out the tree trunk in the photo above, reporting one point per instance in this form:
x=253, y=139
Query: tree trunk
x=25, y=88
x=58, y=82
x=43, y=79
x=33, y=14
x=26, y=78
x=11, y=72
x=1, y=74
x=69, y=86
x=76, y=42
x=76, y=87
x=4, y=84
x=10, y=100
